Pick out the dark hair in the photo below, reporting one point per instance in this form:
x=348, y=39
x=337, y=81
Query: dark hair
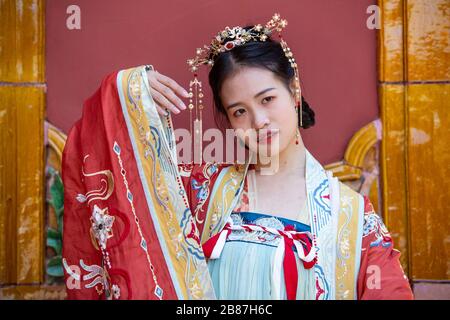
x=267, y=55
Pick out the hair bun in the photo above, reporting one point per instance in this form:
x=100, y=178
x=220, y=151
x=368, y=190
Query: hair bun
x=308, y=115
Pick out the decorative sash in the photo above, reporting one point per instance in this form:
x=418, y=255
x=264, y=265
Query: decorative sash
x=284, y=255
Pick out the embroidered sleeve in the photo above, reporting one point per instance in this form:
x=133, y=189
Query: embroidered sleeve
x=381, y=276
x=185, y=170
x=81, y=261
x=198, y=181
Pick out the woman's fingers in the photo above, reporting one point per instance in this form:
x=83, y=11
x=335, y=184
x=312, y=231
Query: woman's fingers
x=169, y=94
x=160, y=110
x=172, y=84
x=163, y=102
x=166, y=92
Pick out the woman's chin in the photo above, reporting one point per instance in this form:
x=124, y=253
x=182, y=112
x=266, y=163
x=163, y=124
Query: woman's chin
x=266, y=150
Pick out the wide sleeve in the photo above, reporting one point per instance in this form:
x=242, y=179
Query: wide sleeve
x=77, y=244
x=127, y=233
x=381, y=276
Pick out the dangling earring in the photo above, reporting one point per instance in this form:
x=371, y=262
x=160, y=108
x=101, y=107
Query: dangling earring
x=297, y=135
x=300, y=109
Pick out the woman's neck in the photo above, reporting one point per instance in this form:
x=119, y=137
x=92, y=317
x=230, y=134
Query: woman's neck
x=291, y=159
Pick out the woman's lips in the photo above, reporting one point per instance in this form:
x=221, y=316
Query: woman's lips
x=268, y=137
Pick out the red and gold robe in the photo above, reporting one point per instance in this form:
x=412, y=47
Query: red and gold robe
x=135, y=221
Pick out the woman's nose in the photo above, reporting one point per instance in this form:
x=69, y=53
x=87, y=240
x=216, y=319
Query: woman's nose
x=261, y=121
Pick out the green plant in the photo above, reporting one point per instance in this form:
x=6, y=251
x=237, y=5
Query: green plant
x=54, y=266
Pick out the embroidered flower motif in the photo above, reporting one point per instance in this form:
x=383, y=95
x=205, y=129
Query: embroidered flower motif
x=102, y=224
x=81, y=198
x=115, y=291
x=345, y=247
x=270, y=222
x=256, y=236
x=237, y=218
x=374, y=224
x=202, y=189
x=371, y=223
x=97, y=274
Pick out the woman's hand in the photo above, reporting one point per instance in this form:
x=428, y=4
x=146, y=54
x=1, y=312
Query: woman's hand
x=166, y=93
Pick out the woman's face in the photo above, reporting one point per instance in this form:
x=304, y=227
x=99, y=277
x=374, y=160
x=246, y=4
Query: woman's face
x=256, y=98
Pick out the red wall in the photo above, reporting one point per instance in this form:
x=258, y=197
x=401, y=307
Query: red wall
x=335, y=51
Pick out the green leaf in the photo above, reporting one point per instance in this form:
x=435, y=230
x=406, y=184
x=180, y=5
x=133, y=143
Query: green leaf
x=57, y=194
x=55, y=261
x=56, y=244
x=54, y=267
x=60, y=224
x=54, y=234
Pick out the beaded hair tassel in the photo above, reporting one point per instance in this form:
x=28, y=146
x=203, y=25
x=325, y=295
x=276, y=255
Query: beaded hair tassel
x=196, y=103
x=298, y=98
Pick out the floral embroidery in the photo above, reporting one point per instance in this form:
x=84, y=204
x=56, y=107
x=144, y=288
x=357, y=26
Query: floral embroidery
x=81, y=198
x=101, y=226
x=97, y=277
x=200, y=183
x=115, y=291
x=257, y=236
x=202, y=190
x=374, y=225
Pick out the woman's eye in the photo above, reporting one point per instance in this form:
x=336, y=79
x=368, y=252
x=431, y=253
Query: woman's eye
x=238, y=112
x=268, y=99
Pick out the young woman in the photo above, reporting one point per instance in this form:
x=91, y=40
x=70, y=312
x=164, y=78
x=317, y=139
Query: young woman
x=138, y=225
